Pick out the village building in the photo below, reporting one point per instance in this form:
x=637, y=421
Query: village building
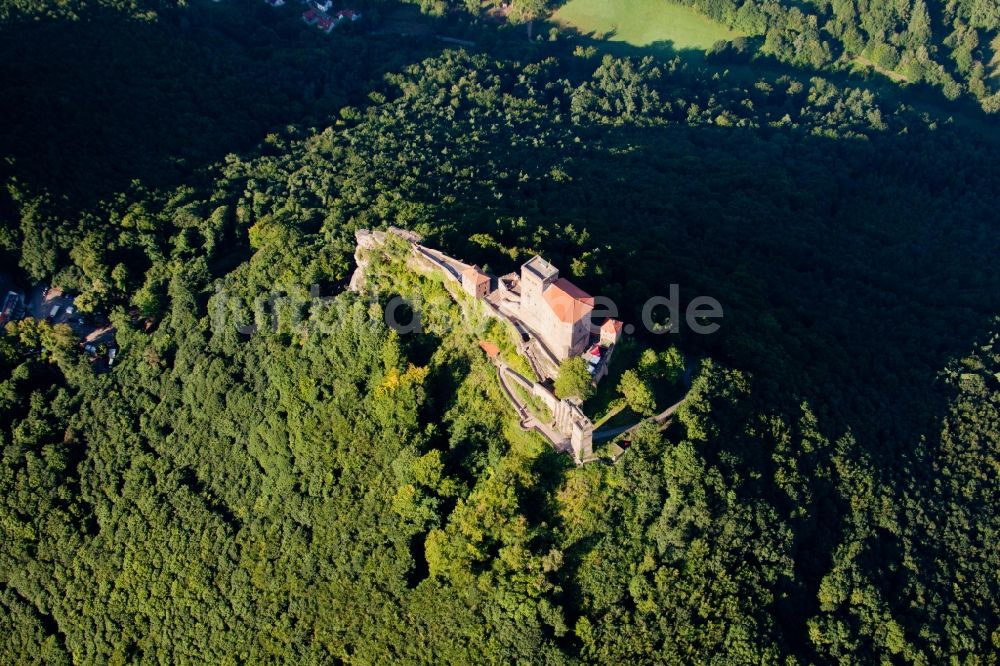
x=347, y=15
x=555, y=309
x=320, y=15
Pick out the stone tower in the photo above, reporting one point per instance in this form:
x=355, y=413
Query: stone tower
x=536, y=275
x=582, y=439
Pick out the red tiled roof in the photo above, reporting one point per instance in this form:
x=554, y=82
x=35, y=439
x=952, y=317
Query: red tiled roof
x=309, y=13
x=568, y=302
x=612, y=326
x=473, y=273
x=491, y=349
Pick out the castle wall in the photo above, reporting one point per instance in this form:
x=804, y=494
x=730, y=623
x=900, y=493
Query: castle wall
x=579, y=336
x=569, y=419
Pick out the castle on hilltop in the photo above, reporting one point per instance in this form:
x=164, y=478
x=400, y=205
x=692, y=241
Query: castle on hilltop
x=553, y=318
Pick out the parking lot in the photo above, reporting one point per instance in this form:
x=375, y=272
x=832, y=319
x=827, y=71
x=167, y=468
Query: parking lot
x=42, y=305
x=86, y=329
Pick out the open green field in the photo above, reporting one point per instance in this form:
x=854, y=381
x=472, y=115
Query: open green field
x=642, y=23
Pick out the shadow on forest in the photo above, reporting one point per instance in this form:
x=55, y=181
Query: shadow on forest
x=106, y=101
x=852, y=272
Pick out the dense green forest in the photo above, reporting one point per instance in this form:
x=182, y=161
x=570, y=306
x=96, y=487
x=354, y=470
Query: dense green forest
x=325, y=490
x=954, y=45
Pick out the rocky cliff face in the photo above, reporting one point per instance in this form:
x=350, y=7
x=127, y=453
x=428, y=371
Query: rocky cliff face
x=366, y=242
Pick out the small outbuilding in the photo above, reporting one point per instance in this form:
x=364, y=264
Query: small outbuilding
x=490, y=348
x=475, y=282
x=611, y=331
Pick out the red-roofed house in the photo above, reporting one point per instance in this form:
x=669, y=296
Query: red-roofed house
x=325, y=23
x=556, y=309
x=309, y=16
x=347, y=15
